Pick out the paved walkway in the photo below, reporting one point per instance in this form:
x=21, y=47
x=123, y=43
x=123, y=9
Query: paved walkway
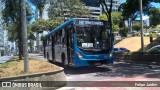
x=37, y=55
x=137, y=85
x=5, y=59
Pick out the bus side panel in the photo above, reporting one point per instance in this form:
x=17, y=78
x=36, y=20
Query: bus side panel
x=48, y=52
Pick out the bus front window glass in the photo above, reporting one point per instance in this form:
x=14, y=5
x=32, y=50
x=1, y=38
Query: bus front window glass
x=93, y=37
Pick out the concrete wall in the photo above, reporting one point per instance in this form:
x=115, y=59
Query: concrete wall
x=54, y=79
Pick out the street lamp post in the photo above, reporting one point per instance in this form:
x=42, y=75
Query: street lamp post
x=141, y=21
x=24, y=34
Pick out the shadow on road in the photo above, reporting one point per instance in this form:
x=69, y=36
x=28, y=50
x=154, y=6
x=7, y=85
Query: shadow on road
x=132, y=70
x=119, y=69
x=86, y=70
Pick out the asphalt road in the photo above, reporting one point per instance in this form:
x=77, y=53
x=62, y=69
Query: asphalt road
x=119, y=71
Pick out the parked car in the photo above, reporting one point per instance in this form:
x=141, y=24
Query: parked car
x=146, y=33
x=156, y=32
x=135, y=33
x=121, y=50
x=155, y=48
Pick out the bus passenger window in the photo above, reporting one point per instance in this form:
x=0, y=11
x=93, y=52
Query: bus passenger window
x=50, y=41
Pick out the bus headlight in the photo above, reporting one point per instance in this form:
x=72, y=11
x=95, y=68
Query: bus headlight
x=110, y=55
x=79, y=55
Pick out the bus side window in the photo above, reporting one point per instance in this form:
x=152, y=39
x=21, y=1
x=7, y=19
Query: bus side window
x=50, y=41
x=58, y=37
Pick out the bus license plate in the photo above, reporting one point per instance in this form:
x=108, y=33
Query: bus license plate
x=97, y=64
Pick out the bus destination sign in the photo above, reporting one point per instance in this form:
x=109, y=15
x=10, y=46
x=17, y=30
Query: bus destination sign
x=89, y=22
x=83, y=22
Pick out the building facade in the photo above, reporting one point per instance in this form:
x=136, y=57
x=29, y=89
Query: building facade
x=1, y=33
x=5, y=45
x=116, y=4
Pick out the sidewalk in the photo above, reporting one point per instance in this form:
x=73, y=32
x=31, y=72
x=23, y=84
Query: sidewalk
x=5, y=59
x=83, y=86
x=37, y=55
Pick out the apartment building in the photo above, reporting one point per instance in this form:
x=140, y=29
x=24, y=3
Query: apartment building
x=116, y=4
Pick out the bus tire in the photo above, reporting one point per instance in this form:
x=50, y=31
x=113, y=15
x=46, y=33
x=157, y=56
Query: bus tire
x=48, y=58
x=63, y=59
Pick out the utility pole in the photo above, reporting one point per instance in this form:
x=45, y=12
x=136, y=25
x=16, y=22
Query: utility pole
x=24, y=36
x=141, y=20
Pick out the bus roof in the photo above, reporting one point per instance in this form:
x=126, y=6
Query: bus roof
x=64, y=24
x=60, y=27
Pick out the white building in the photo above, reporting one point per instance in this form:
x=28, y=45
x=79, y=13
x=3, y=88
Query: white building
x=116, y=4
x=1, y=32
x=5, y=45
x=92, y=5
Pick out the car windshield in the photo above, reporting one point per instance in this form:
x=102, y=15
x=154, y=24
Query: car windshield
x=93, y=37
x=155, y=49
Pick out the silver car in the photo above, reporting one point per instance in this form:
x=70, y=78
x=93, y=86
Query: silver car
x=121, y=50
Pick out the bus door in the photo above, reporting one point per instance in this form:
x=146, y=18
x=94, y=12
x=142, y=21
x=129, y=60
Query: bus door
x=70, y=48
x=57, y=46
x=53, y=51
x=44, y=48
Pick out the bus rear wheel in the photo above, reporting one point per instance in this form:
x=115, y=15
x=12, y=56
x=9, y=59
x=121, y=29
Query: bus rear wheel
x=63, y=59
x=48, y=58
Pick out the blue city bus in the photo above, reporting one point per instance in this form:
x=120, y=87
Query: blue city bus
x=80, y=42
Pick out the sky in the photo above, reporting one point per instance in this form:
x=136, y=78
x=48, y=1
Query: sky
x=157, y=5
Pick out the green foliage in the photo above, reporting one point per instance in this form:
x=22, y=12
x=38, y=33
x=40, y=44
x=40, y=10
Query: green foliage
x=116, y=18
x=11, y=18
x=130, y=9
x=73, y=9
x=153, y=34
x=41, y=25
x=39, y=5
x=136, y=26
x=123, y=31
x=154, y=14
x=6, y=65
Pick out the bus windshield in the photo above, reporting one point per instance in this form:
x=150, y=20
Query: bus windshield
x=93, y=37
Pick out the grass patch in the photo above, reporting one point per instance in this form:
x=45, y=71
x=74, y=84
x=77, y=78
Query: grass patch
x=6, y=65
x=15, y=67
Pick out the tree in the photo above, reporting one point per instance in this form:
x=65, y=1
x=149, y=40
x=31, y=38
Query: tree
x=123, y=31
x=107, y=10
x=154, y=15
x=130, y=9
x=11, y=17
x=44, y=25
x=39, y=5
x=68, y=8
x=136, y=26
x=116, y=18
